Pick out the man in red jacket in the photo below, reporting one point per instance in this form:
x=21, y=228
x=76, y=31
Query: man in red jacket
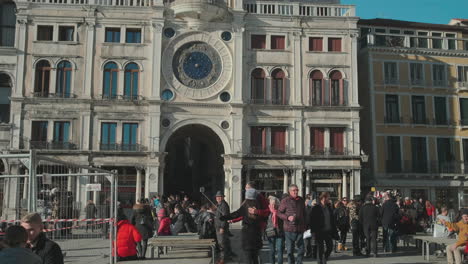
x=127, y=237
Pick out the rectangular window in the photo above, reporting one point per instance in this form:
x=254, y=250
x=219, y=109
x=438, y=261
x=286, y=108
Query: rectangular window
x=451, y=41
x=337, y=141
x=129, y=136
x=39, y=135
x=108, y=132
x=446, y=156
x=317, y=142
x=258, y=90
x=419, y=109
x=277, y=42
x=437, y=40
x=390, y=69
x=419, y=154
x=462, y=73
x=45, y=33
x=61, y=131
x=258, y=140
x=334, y=44
x=66, y=33
x=393, y=154
x=278, y=140
x=416, y=70
x=315, y=44
x=317, y=92
x=133, y=35
x=465, y=152
x=112, y=35
x=422, y=42
x=277, y=89
x=440, y=108
x=464, y=111
x=439, y=76
x=392, y=109
x=258, y=41
x=336, y=93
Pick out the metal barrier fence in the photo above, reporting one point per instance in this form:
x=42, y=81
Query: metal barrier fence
x=77, y=202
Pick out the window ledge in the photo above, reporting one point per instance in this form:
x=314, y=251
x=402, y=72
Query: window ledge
x=123, y=44
x=56, y=42
x=271, y=50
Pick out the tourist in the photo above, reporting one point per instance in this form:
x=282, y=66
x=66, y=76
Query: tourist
x=127, y=239
x=143, y=222
x=91, y=212
x=292, y=212
x=15, y=251
x=222, y=227
x=356, y=227
x=46, y=249
x=390, y=218
x=455, y=251
x=308, y=248
x=179, y=221
x=430, y=211
x=262, y=210
x=323, y=226
x=341, y=215
x=275, y=232
x=369, y=217
x=251, y=226
x=206, y=222
x=164, y=228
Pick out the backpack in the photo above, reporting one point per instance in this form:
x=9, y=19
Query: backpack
x=207, y=228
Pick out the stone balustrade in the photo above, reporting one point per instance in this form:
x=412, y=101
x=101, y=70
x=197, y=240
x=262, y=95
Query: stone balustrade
x=283, y=8
x=126, y=3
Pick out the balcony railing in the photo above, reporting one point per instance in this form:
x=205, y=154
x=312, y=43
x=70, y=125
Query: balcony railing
x=122, y=97
x=439, y=83
x=268, y=101
x=126, y=3
x=330, y=152
x=283, y=8
x=409, y=41
x=53, y=95
x=122, y=147
x=272, y=150
x=328, y=104
x=462, y=85
x=52, y=145
x=425, y=166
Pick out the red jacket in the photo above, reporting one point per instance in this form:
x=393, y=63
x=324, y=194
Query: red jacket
x=264, y=211
x=164, y=227
x=127, y=237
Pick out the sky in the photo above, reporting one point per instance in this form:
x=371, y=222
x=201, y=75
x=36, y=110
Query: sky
x=427, y=11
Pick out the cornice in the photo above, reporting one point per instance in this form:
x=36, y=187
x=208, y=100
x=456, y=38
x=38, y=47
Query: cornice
x=431, y=52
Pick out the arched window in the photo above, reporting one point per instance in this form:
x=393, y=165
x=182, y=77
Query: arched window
x=42, y=82
x=278, y=87
x=258, y=86
x=64, y=71
x=7, y=23
x=336, y=88
x=111, y=72
x=316, y=88
x=132, y=72
x=5, y=92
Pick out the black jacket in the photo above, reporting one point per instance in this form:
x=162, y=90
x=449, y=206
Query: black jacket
x=48, y=250
x=369, y=216
x=143, y=221
x=317, y=220
x=222, y=210
x=181, y=224
x=390, y=214
x=91, y=211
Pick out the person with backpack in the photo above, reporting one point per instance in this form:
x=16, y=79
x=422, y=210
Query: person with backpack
x=206, y=223
x=222, y=227
x=275, y=232
x=143, y=221
x=341, y=215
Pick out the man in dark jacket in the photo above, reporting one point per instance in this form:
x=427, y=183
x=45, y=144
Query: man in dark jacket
x=46, y=249
x=143, y=221
x=356, y=227
x=323, y=225
x=222, y=227
x=369, y=217
x=292, y=212
x=390, y=217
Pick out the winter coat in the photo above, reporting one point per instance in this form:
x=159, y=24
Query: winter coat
x=369, y=216
x=390, y=214
x=317, y=220
x=91, y=211
x=164, y=228
x=48, y=250
x=280, y=229
x=180, y=223
x=293, y=206
x=206, y=225
x=127, y=237
x=251, y=233
x=19, y=255
x=143, y=221
x=222, y=210
x=341, y=216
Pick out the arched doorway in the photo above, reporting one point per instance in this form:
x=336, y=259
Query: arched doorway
x=5, y=92
x=194, y=160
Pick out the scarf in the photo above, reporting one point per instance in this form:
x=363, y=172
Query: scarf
x=274, y=219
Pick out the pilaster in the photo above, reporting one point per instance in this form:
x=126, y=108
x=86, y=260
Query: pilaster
x=156, y=88
x=89, y=58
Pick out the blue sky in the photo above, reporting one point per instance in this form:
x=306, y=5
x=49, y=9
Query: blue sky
x=428, y=11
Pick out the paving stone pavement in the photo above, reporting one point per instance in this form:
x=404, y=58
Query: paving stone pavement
x=86, y=251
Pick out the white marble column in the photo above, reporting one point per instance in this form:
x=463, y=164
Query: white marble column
x=344, y=185
x=25, y=185
x=157, y=53
x=69, y=181
x=307, y=183
x=238, y=63
x=298, y=181
x=138, y=186
x=89, y=59
x=21, y=35
x=357, y=181
x=353, y=85
x=285, y=181
x=236, y=187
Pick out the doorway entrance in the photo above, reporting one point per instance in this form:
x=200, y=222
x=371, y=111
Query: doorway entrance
x=194, y=160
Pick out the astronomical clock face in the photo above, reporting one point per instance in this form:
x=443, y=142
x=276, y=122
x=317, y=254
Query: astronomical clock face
x=196, y=65
x=200, y=65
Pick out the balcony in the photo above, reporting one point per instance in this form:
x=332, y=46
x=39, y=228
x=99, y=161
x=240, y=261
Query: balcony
x=462, y=85
x=122, y=97
x=409, y=41
x=52, y=145
x=330, y=152
x=122, y=147
x=125, y=3
x=424, y=166
x=271, y=150
x=268, y=101
x=53, y=95
x=282, y=8
x=333, y=103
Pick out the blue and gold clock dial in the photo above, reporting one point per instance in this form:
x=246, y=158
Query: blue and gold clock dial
x=196, y=65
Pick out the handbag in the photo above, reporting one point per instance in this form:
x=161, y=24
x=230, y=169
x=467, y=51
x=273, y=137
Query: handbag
x=271, y=232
